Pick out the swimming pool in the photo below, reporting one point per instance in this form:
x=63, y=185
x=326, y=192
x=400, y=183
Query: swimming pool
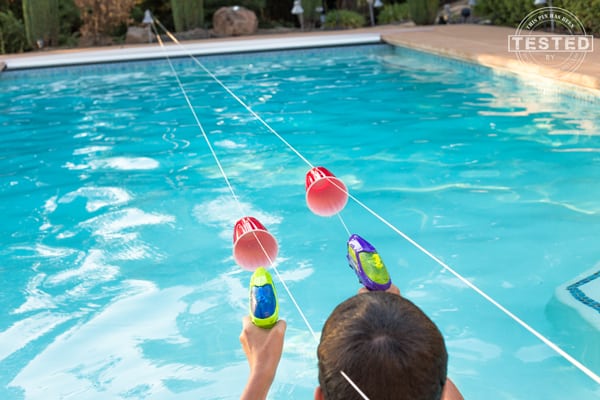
x=116, y=266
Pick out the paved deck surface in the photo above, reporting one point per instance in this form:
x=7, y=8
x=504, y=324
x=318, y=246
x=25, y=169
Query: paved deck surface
x=486, y=45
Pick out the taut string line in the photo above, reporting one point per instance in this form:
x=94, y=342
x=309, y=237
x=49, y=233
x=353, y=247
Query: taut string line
x=471, y=285
x=227, y=181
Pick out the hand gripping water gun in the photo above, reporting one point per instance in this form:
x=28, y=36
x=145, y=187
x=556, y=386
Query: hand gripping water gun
x=366, y=263
x=264, y=307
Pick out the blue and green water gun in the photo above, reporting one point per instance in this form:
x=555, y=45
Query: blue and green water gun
x=264, y=307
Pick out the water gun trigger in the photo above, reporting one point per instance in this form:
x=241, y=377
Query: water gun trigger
x=367, y=264
x=263, y=303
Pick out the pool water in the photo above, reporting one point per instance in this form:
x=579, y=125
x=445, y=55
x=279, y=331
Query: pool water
x=116, y=263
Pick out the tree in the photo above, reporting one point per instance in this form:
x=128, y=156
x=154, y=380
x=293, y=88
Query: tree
x=41, y=22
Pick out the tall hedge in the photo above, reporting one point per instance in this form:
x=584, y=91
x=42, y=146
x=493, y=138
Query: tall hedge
x=588, y=12
x=504, y=12
x=344, y=19
x=187, y=14
x=12, y=34
x=423, y=12
x=512, y=12
x=41, y=21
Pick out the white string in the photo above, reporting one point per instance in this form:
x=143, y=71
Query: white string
x=541, y=337
x=342, y=220
x=189, y=103
x=537, y=334
x=354, y=385
x=204, y=135
x=287, y=289
x=255, y=115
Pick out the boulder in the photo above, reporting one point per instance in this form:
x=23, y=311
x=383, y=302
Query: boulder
x=234, y=21
x=2, y=66
x=137, y=34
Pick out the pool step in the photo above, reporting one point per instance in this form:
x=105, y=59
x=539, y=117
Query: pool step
x=575, y=312
x=583, y=294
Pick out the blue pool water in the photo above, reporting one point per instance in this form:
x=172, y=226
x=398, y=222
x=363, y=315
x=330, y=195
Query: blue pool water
x=116, y=261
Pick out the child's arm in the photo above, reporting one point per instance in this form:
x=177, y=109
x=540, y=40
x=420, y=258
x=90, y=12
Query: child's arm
x=263, y=348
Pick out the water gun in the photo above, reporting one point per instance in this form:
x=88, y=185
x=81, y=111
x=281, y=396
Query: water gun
x=367, y=264
x=264, y=307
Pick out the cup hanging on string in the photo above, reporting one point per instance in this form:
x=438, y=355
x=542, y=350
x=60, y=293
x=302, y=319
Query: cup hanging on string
x=253, y=245
x=326, y=195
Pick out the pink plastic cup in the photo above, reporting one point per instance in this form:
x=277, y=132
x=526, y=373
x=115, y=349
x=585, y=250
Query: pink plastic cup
x=253, y=245
x=326, y=195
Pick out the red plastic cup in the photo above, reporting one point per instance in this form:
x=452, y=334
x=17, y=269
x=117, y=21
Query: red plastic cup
x=326, y=195
x=253, y=245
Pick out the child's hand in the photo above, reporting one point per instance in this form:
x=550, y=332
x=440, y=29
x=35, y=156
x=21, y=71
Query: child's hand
x=263, y=348
x=392, y=289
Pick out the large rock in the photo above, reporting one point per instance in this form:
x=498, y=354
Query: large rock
x=137, y=34
x=234, y=21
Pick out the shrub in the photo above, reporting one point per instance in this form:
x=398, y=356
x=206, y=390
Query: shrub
x=504, y=12
x=423, y=12
x=512, y=12
x=588, y=12
x=103, y=18
x=344, y=19
x=70, y=23
x=12, y=34
x=394, y=12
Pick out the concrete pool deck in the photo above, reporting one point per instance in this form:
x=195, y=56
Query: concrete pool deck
x=488, y=45
x=481, y=44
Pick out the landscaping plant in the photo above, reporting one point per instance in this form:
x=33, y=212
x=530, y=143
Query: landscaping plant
x=187, y=14
x=41, y=22
x=423, y=12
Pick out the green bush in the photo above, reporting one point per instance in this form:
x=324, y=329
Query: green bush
x=394, y=12
x=588, y=12
x=504, y=12
x=70, y=23
x=12, y=34
x=512, y=12
x=423, y=12
x=344, y=19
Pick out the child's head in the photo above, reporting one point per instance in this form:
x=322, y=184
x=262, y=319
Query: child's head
x=386, y=345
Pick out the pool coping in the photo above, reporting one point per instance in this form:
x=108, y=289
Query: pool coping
x=479, y=44
x=187, y=48
x=488, y=46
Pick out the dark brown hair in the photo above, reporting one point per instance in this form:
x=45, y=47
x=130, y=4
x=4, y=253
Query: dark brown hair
x=386, y=345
